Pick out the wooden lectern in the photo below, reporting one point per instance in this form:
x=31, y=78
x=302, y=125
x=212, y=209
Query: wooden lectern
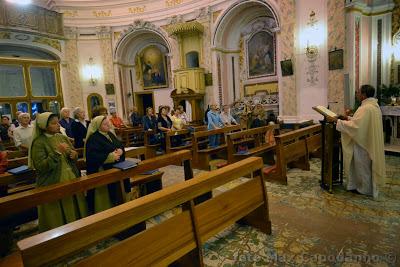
x=332, y=156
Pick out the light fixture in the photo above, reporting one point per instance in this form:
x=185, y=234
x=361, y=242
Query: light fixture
x=312, y=38
x=92, y=72
x=20, y=2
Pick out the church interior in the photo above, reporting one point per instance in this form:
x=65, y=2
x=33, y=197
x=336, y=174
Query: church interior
x=200, y=133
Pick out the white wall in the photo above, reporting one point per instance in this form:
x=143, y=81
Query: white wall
x=86, y=49
x=308, y=94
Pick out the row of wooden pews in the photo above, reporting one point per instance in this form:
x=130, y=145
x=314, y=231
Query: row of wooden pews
x=254, y=140
x=202, y=153
x=187, y=231
x=294, y=148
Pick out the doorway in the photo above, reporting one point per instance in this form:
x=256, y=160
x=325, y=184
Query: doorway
x=144, y=100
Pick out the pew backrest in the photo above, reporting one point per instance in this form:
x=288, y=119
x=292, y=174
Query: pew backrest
x=28, y=199
x=292, y=146
x=187, y=230
x=256, y=137
x=183, y=135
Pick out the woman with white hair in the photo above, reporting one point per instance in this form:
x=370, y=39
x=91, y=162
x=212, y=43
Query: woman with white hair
x=23, y=133
x=54, y=160
x=79, y=127
x=66, y=121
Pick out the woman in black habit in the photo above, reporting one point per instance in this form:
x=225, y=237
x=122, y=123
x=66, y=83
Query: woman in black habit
x=102, y=151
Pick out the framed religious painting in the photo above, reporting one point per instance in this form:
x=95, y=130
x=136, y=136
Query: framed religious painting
x=260, y=54
x=336, y=59
x=153, y=67
x=287, y=67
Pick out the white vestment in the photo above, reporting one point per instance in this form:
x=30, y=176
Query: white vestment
x=363, y=148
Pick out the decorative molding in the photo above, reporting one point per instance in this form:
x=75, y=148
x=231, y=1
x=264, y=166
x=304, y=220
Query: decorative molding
x=102, y=13
x=103, y=32
x=379, y=53
x=357, y=51
x=173, y=3
x=203, y=13
x=380, y=8
x=260, y=24
x=5, y=35
x=32, y=19
x=71, y=32
x=137, y=9
x=312, y=71
x=185, y=27
x=46, y=41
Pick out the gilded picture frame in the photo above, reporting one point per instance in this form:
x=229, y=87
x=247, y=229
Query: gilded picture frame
x=336, y=59
x=153, y=68
x=261, y=54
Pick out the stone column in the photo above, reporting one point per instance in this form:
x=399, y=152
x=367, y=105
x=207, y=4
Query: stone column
x=287, y=84
x=336, y=40
x=72, y=90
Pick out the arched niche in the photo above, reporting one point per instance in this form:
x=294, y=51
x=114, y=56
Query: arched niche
x=133, y=41
x=235, y=28
x=192, y=59
x=94, y=100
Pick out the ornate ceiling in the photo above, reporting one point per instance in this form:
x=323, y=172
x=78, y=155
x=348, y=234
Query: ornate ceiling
x=89, y=13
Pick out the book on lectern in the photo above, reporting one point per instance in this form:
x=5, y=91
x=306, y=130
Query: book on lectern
x=325, y=112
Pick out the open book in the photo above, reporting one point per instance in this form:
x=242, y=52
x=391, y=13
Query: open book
x=325, y=112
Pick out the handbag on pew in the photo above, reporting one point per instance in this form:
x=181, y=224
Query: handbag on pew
x=3, y=161
x=242, y=149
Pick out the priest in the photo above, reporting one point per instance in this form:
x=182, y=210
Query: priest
x=363, y=144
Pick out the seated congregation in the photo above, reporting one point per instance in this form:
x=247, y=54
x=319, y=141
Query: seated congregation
x=109, y=203
x=59, y=151
x=199, y=133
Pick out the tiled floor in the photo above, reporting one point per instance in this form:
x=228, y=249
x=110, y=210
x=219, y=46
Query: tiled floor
x=310, y=227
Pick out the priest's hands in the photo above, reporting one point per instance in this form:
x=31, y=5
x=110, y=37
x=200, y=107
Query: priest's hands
x=331, y=119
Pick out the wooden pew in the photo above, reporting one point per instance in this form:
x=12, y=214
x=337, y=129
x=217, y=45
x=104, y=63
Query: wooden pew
x=201, y=151
x=28, y=199
x=150, y=148
x=187, y=231
x=291, y=147
x=11, y=154
x=314, y=140
x=256, y=138
x=184, y=135
x=28, y=179
x=131, y=136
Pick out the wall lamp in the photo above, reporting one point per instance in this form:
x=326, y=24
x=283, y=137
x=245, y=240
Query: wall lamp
x=92, y=72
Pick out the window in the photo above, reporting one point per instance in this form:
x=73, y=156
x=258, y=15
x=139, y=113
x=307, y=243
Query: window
x=43, y=81
x=30, y=85
x=5, y=109
x=192, y=59
x=12, y=81
x=23, y=107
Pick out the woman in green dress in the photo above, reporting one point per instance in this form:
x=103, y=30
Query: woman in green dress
x=54, y=159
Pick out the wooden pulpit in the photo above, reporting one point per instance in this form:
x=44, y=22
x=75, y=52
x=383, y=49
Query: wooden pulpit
x=332, y=156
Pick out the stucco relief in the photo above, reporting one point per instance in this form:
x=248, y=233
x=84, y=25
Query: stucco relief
x=336, y=39
x=104, y=34
x=204, y=17
x=72, y=90
x=395, y=29
x=286, y=50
